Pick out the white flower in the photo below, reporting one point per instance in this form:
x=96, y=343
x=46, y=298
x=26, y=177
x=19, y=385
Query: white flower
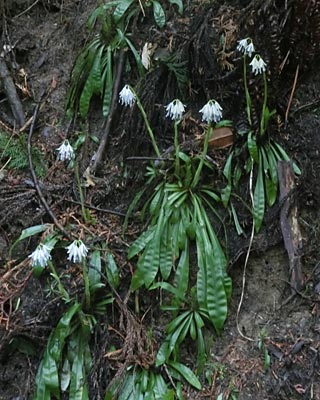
x=127, y=97
x=41, y=256
x=77, y=251
x=246, y=46
x=66, y=151
x=258, y=65
x=175, y=109
x=211, y=111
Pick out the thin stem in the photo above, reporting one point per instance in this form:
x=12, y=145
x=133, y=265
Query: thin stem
x=61, y=288
x=264, y=117
x=177, y=148
x=83, y=208
x=203, y=156
x=145, y=118
x=86, y=284
x=248, y=98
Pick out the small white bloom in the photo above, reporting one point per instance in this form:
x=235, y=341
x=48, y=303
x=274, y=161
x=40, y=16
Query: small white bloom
x=211, y=111
x=77, y=251
x=175, y=109
x=127, y=97
x=66, y=151
x=258, y=65
x=41, y=256
x=246, y=46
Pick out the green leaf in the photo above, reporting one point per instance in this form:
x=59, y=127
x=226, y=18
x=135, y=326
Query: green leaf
x=236, y=220
x=187, y=374
x=112, y=271
x=65, y=375
x=259, y=199
x=158, y=14
x=121, y=9
x=163, y=353
x=141, y=242
x=174, y=324
x=31, y=231
x=166, y=286
x=107, y=81
x=181, y=278
x=179, y=3
x=136, y=57
x=92, y=85
x=284, y=156
x=94, y=271
x=166, y=256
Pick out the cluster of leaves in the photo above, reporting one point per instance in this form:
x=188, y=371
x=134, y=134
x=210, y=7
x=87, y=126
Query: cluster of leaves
x=13, y=152
x=93, y=72
x=150, y=385
x=67, y=360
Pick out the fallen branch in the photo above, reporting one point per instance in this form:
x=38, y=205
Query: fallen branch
x=104, y=139
x=11, y=93
x=290, y=225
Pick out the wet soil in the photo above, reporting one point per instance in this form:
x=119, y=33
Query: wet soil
x=48, y=35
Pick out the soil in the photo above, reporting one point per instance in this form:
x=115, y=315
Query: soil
x=47, y=36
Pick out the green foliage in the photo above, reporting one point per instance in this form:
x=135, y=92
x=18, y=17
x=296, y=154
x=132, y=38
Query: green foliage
x=179, y=217
x=93, y=73
x=14, y=150
x=142, y=384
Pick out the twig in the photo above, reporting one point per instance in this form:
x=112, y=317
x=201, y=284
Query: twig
x=105, y=210
x=291, y=95
x=104, y=139
x=34, y=177
x=27, y=9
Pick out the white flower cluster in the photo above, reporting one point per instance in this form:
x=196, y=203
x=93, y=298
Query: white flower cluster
x=175, y=109
x=66, y=152
x=127, y=96
x=41, y=255
x=246, y=47
x=77, y=251
x=211, y=112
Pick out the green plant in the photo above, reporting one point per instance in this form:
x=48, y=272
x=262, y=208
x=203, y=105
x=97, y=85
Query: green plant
x=264, y=153
x=13, y=151
x=149, y=384
x=263, y=348
x=67, y=360
x=93, y=73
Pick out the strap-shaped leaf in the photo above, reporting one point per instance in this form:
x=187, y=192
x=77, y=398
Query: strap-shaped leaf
x=163, y=353
x=166, y=256
x=270, y=187
x=284, y=156
x=121, y=9
x=182, y=275
x=107, y=81
x=139, y=244
x=112, y=271
x=236, y=220
x=174, y=324
x=187, y=374
x=179, y=3
x=158, y=14
x=259, y=199
x=93, y=82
